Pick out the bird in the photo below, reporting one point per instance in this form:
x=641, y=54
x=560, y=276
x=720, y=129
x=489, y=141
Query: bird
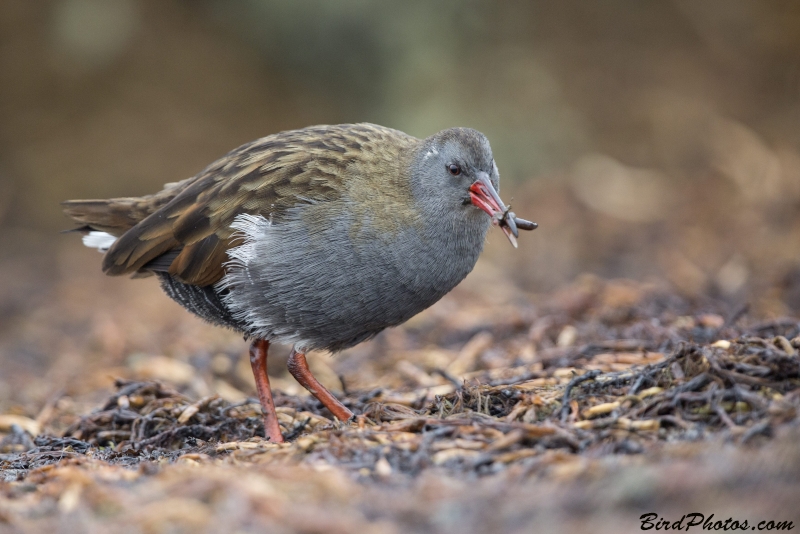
x=319, y=238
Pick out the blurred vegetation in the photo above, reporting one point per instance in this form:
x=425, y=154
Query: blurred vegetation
x=648, y=139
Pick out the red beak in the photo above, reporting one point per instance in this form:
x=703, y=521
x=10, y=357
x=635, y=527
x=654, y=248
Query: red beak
x=484, y=196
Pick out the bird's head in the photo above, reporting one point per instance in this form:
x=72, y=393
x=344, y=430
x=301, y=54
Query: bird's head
x=457, y=167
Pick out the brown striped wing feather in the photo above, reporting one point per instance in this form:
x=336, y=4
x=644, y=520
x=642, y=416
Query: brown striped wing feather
x=189, y=226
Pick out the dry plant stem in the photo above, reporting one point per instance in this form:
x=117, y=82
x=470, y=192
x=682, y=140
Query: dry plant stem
x=298, y=367
x=567, y=390
x=258, y=361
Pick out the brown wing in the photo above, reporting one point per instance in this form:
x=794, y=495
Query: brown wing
x=264, y=177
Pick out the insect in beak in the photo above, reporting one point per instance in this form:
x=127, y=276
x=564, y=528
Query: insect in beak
x=484, y=196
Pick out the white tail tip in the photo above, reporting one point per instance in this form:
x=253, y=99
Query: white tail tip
x=99, y=240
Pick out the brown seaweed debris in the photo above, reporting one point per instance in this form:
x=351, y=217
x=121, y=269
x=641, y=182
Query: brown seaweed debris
x=148, y=416
x=612, y=395
x=736, y=389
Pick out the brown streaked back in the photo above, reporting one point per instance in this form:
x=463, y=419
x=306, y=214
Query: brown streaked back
x=189, y=222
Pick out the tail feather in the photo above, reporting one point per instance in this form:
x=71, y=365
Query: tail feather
x=104, y=223
x=114, y=216
x=102, y=241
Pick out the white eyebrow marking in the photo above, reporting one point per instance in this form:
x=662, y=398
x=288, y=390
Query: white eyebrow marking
x=431, y=152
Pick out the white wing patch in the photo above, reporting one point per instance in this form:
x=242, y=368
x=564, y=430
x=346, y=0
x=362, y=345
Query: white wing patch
x=102, y=241
x=248, y=228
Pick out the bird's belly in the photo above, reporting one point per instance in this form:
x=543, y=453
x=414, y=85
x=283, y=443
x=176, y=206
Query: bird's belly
x=334, y=288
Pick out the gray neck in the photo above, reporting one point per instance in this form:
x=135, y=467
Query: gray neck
x=453, y=238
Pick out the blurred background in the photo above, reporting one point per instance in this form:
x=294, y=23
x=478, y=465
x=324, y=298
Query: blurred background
x=654, y=141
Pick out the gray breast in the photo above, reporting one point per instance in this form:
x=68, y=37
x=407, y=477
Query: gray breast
x=310, y=284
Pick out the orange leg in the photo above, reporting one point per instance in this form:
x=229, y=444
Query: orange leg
x=299, y=368
x=258, y=361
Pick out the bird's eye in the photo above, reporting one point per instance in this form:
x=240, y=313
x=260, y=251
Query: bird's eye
x=453, y=169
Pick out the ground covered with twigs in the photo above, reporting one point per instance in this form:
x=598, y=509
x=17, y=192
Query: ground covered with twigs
x=738, y=389
x=648, y=397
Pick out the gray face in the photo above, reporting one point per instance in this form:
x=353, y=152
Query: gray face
x=456, y=169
